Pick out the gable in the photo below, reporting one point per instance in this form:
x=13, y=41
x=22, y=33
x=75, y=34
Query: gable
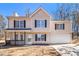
x=40, y=12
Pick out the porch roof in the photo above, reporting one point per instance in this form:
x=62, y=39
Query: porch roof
x=18, y=29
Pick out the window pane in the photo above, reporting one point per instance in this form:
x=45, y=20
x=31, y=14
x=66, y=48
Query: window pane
x=38, y=37
x=21, y=24
x=59, y=26
x=41, y=37
x=40, y=23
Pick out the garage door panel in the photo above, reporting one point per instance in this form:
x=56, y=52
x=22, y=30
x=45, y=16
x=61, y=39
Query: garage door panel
x=58, y=38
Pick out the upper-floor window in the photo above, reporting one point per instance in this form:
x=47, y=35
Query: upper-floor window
x=59, y=26
x=41, y=23
x=19, y=24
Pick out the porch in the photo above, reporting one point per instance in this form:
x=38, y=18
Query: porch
x=23, y=37
x=18, y=38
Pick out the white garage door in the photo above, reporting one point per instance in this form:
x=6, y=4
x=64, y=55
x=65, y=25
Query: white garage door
x=58, y=38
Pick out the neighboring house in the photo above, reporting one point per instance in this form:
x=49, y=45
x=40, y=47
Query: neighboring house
x=38, y=28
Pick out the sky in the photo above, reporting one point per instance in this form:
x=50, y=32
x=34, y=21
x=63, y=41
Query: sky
x=6, y=9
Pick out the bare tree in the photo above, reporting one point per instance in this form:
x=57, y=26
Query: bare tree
x=64, y=11
x=27, y=12
x=60, y=12
x=75, y=18
x=2, y=26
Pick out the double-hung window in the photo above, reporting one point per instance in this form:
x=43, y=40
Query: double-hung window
x=40, y=23
x=19, y=24
x=59, y=26
x=40, y=37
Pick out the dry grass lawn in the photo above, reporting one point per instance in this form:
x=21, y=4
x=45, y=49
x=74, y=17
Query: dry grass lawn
x=29, y=51
x=75, y=41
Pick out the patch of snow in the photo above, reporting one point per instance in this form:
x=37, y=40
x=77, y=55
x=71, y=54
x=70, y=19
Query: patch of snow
x=67, y=49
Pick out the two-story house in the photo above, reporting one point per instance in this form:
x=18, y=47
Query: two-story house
x=38, y=28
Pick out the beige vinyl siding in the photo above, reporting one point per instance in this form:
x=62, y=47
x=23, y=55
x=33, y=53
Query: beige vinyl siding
x=40, y=15
x=67, y=26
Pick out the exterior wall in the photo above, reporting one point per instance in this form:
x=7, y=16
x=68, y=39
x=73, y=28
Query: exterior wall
x=61, y=36
x=28, y=24
x=11, y=22
x=40, y=15
x=68, y=26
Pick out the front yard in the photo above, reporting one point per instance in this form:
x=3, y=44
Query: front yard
x=29, y=51
x=71, y=49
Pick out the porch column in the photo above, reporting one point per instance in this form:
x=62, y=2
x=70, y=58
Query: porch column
x=24, y=38
x=5, y=39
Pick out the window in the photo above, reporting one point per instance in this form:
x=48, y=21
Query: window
x=41, y=23
x=59, y=26
x=19, y=24
x=40, y=37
